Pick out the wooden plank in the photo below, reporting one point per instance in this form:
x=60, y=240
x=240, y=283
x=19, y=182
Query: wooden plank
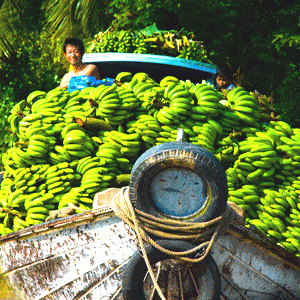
x=17, y=253
x=254, y=273
x=90, y=251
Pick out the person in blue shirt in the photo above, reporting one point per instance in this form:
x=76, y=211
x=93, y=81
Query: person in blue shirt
x=223, y=81
x=73, y=51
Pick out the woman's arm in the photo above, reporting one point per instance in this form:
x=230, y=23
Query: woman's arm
x=65, y=81
x=92, y=70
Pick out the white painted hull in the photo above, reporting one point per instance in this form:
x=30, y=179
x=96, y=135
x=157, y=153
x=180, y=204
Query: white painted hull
x=82, y=256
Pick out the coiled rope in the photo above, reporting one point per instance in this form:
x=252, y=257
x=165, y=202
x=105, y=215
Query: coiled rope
x=144, y=224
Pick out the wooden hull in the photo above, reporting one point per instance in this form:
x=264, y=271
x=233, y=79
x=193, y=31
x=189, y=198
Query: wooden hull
x=82, y=257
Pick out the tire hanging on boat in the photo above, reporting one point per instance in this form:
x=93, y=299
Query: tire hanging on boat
x=209, y=282
x=199, y=195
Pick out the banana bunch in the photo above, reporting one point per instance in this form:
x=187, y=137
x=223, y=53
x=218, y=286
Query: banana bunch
x=167, y=80
x=35, y=95
x=109, y=105
x=279, y=216
x=231, y=175
x=153, y=100
x=39, y=146
x=34, y=151
x=87, y=163
x=78, y=105
x=167, y=134
x=176, y=104
x=128, y=144
x=9, y=210
x=124, y=166
x=177, y=44
x=247, y=197
x=206, y=135
x=93, y=181
x=128, y=100
x=124, y=77
x=59, y=178
x=108, y=42
x=187, y=125
x=140, y=86
x=16, y=195
x=44, y=122
x=230, y=121
x=97, y=172
x=78, y=197
x=37, y=208
x=20, y=110
x=124, y=41
x=187, y=84
x=53, y=102
x=148, y=128
x=208, y=99
x=256, y=161
x=26, y=179
x=287, y=144
x=140, y=45
x=229, y=146
x=77, y=142
x=59, y=154
x=245, y=106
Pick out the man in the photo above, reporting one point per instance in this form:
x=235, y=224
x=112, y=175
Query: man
x=73, y=51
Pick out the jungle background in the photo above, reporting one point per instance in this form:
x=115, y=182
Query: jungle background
x=258, y=41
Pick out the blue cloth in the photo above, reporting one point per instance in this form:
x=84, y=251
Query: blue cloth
x=230, y=87
x=83, y=81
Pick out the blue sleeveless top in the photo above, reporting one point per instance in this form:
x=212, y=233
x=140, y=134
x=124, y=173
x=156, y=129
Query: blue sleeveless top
x=83, y=81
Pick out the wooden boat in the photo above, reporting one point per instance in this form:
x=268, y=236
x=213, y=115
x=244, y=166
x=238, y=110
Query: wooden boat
x=83, y=256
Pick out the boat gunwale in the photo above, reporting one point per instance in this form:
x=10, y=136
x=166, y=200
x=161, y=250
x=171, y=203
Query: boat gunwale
x=59, y=224
x=259, y=240
x=250, y=235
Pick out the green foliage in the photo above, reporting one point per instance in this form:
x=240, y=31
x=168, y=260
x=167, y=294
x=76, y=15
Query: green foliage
x=32, y=66
x=132, y=14
x=17, y=18
x=6, y=137
x=78, y=18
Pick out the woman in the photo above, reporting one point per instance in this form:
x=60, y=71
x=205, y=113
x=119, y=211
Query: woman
x=223, y=81
x=73, y=51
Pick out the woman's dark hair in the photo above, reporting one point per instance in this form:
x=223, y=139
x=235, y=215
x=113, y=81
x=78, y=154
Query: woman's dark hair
x=223, y=73
x=74, y=42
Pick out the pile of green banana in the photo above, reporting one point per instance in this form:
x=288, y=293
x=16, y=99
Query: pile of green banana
x=177, y=44
x=73, y=145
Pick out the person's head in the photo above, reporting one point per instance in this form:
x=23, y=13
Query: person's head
x=222, y=79
x=74, y=42
x=73, y=50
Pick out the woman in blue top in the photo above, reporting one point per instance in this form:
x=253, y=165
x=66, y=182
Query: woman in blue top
x=73, y=51
x=223, y=81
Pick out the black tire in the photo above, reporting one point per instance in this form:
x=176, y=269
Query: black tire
x=135, y=270
x=187, y=157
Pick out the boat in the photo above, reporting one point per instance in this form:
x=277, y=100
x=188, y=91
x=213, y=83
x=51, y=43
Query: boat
x=84, y=256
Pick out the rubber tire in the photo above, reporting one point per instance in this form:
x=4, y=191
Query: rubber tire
x=185, y=155
x=135, y=271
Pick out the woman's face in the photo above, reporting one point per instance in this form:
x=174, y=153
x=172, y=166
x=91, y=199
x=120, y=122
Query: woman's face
x=73, y=54
x=221, y=81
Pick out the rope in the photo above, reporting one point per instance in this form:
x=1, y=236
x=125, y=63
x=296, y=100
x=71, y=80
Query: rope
x=144, y=224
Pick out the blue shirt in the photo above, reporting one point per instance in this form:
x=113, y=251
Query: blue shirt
x=83, y=81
